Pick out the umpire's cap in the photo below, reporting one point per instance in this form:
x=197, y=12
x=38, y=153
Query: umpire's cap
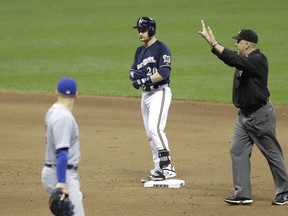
x=67, y=86
x=246, y=34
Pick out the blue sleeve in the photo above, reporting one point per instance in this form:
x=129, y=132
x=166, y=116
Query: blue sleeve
x=164, y=62
x=61, y=164
x=164, y=72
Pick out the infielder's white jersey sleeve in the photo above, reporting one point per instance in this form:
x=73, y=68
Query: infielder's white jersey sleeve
x=61, y=132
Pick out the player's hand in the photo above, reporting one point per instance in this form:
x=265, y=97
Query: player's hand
x=136, y=74
x=63, y=187
x=207, y=34
x=204, y=31
x=140, y=82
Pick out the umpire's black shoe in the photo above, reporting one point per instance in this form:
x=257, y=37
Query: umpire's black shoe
x=281, y=199
x=238, y=200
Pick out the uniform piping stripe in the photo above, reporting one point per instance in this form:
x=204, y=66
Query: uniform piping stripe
x=159, y=118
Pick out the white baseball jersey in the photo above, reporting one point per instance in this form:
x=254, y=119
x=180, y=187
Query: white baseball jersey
x=61, y=132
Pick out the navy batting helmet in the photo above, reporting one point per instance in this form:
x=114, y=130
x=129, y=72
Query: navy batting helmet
x=148, y=23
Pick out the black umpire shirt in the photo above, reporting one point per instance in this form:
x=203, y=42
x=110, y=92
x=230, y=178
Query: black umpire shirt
x=250, y=79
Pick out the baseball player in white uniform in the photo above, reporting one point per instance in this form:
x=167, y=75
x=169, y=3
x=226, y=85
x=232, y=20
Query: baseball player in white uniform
x=150, y=71
x=62, y=155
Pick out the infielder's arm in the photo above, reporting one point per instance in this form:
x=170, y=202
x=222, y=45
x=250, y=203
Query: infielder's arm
x=61, y=165
x=210, y=38
x=156, y=77
x=159, y=75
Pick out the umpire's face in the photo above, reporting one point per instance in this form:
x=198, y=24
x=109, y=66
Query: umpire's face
x=243, y=47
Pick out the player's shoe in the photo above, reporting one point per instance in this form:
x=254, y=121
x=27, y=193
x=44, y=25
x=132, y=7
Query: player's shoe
x=148, y=178
x=165, y=173
x=281, y=199
x=238, y=200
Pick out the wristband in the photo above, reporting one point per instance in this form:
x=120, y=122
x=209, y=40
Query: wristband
x=215, y=44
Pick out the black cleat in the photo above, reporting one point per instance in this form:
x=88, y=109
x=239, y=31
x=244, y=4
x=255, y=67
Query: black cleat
x=281, y=199
x=238, y=200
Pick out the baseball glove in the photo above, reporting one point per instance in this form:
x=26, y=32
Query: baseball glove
x=60, y=204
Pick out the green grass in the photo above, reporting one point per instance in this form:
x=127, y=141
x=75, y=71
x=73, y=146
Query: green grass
x=94, y=42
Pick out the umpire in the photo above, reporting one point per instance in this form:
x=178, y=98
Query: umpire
x=256, y=119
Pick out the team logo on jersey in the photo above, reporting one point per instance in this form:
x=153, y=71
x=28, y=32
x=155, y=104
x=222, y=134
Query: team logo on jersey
x=167, y=58
x=146, y=61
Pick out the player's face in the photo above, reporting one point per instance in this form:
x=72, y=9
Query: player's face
x=143, y=35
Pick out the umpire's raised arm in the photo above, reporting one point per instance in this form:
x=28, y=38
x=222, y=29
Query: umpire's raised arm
x=208, y=35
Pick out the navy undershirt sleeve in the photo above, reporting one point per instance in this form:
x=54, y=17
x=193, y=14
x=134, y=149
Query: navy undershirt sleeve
x=61, y=164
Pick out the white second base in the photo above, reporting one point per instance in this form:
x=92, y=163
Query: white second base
x=169, y=183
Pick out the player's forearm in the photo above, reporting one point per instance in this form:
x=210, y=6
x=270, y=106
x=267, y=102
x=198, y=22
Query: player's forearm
x=156, y=78
x=61, y=164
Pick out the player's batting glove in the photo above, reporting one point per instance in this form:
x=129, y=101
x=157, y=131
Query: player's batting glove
x=136, y=74
x=140, y=82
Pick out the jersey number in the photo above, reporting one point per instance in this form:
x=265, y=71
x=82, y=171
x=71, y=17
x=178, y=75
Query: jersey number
x=150, y=71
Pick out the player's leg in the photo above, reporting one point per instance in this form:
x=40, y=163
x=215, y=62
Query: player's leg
x=75, y=194
x=145, y=116
x=158, y=112
x=49, y=179
x=159, y=105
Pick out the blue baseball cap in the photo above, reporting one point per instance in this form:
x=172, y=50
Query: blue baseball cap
x=67, y=86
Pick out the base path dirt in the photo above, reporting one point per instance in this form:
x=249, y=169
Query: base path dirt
x=116, y=154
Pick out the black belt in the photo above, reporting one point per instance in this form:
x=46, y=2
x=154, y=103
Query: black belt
x=72, y=167
x=251, y=109
x=150, y=88
x=153, y=87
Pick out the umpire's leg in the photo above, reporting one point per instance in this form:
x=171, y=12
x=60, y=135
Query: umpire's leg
x=240, y=152
x=264, y=135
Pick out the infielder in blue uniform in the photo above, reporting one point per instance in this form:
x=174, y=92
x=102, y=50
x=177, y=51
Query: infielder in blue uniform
x=150, y=72
x=256, y=119
x=62, y=155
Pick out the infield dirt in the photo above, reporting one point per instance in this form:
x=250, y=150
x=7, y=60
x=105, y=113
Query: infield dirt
x=116, y=154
